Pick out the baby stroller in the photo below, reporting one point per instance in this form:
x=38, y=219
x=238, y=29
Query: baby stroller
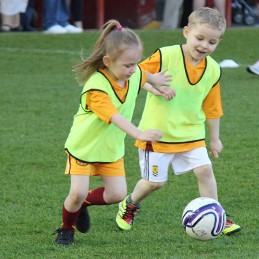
x=243, y=12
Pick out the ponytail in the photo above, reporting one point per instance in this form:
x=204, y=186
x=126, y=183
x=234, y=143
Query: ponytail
x=113, y=40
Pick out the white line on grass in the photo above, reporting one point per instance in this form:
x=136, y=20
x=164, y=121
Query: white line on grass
x=57, y=51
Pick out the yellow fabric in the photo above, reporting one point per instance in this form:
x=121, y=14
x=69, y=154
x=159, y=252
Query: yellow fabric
x=76, y=167
x=90, y=138
x=211, y=105
x=100, y=103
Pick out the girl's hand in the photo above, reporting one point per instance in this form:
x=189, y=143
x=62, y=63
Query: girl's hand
x=126, y=126
x=150, y=135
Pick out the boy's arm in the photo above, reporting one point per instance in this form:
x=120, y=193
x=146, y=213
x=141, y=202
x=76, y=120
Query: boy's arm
x=165, y=91
x=159, y=79
x=215, y=142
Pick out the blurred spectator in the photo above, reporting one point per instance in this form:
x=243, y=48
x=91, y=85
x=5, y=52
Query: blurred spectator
x=10, y=14
x=28, y=16
x=187, y=9
x=172, y=14
x=56, y=16
x=76, y=10
x=257, y=8
x=254, y=69
x=219, y=4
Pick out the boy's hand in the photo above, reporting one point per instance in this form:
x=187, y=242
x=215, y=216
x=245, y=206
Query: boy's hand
x=215, y=147
x=167, y=92
x=159, y=85
x=159, y=79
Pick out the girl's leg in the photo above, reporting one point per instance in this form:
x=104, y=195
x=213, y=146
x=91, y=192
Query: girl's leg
x=78, y=191
x=206, y=181
x=115, y=189
x=115, y=186
x=71, y=208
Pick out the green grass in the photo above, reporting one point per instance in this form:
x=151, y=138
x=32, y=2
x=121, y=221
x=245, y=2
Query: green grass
x=39, y=96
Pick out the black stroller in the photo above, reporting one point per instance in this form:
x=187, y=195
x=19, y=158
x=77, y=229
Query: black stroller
x=243, y=12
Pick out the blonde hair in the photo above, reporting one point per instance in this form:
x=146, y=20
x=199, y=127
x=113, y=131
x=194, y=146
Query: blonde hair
x=113, y=40
x=206, y=15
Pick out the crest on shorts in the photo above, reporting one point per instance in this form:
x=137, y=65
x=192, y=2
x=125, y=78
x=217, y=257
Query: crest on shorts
x=155, y=170
x=81, y=163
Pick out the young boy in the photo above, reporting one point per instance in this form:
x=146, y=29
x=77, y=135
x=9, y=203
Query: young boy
x=182, y=120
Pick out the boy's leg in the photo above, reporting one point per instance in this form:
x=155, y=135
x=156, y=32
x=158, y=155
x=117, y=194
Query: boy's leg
x=208, y=188
x=143, y=188
x=206, y=181
x=154, y=168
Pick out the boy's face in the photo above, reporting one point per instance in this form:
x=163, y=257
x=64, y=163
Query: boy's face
x=201, y=41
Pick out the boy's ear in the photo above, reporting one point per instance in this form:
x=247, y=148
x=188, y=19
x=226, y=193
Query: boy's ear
x=185, y=32
x=106, y=61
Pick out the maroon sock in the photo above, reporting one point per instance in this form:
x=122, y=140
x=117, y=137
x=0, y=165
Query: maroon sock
x=94, y=197
x=69, y=219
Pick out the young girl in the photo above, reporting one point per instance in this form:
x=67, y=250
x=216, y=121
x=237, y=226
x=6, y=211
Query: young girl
x=196, y=80
x=95, y=145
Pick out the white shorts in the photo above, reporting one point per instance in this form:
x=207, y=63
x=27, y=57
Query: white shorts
x=154, y=166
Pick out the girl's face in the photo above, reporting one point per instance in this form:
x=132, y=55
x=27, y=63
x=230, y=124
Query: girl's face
x=124, y=66
x=201, y=41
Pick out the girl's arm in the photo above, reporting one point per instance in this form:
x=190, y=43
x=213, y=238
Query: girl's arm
x=133, y=131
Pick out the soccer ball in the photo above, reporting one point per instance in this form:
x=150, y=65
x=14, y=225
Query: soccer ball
x=204, y=218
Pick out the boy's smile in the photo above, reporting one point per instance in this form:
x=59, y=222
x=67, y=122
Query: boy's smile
x=201, y=41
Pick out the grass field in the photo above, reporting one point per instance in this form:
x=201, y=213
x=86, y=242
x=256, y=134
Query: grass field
x=38, y=98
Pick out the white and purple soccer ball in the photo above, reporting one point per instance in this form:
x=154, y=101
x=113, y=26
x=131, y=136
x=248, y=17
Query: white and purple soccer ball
x=204, y=218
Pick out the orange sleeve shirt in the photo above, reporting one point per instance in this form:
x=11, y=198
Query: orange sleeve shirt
x=212, y=106
x=100, y=103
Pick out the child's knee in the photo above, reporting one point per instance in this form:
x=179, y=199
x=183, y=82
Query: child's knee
x=115, y=196
x=120, y=196
x=156, y=185
x=204, y=172
x=77, y=197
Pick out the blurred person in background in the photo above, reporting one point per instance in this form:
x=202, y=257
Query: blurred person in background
x=10, y=14
x=76, y=10
x=172, y=14
x=219, y=4
x=56, y=18
x=28, y=17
